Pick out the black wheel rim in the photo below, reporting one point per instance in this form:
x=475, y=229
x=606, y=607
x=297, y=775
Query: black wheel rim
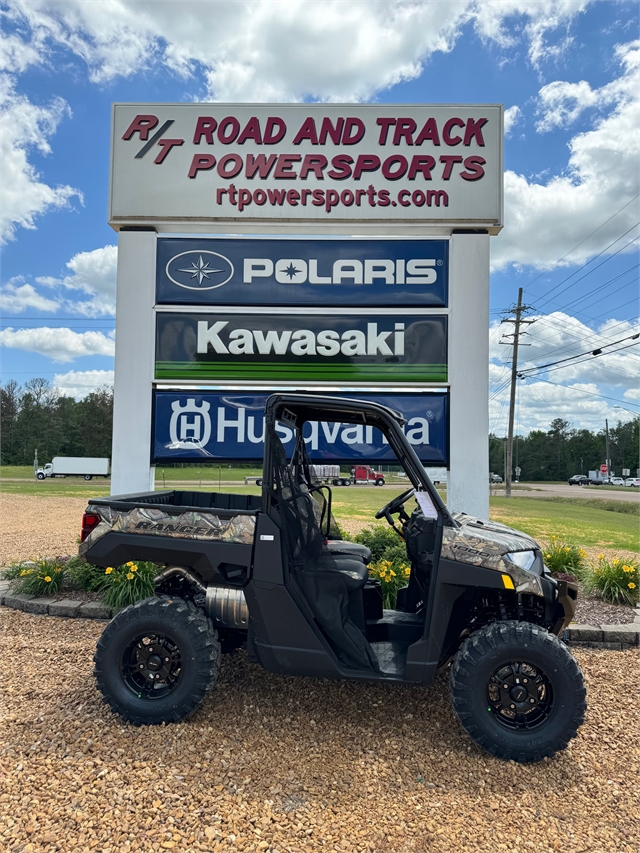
x=151, y=666
x=520, y=696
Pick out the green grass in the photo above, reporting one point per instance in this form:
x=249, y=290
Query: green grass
x=580, y=521
x=570, y=520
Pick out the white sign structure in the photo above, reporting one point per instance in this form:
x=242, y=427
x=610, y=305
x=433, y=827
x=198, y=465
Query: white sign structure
x=303, y=171
x=192, y=163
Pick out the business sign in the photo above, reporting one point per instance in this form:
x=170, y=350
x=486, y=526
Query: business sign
x=303, y=347
x=214, y=426
x=314, y=162
x=302, y=272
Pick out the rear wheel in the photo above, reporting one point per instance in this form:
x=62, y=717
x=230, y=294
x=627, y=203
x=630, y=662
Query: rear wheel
x=88, y=477
x=156, y=660
x=518, y=691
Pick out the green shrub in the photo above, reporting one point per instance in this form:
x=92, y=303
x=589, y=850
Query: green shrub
x=12, y=572
x=82, y=575
x=384, y=543
x=392, y=577
x=44, y=577
x=561, y=558
x=615, y=580
x=126, y=584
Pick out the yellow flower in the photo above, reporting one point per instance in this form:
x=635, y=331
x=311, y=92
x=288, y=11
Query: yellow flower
x=130, y=576
x=601, y=556
x=615, y=562
x=130, y=564
x=392, y=573
x=566, y=548
x=48, y=579
x=627, y=569
x=134, y=568
x=108, y=571
x=631, y=585
x=23, y=573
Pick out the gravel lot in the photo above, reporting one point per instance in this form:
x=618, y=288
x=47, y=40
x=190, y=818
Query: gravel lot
x=270, y=763
x=39, y=527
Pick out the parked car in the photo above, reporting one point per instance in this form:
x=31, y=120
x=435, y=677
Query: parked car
x=633, y=481
x=578, y=480
x=616, y=481
x=495, y=478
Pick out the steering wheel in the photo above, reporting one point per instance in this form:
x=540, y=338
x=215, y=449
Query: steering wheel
x=394, y=506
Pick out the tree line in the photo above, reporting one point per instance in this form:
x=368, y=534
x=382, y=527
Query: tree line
x=561, y=452
x=35, y=415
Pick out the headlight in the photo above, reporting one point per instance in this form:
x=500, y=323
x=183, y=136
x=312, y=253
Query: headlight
x=524, y=559
x=521, y=566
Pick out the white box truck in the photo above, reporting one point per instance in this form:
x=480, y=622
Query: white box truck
x=74, y=466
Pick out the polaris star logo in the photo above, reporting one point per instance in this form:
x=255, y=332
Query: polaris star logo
x=199, y=270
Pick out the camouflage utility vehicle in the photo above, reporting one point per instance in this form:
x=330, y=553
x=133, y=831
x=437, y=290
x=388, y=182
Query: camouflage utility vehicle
x=271, y=573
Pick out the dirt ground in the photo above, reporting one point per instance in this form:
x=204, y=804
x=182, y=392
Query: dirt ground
x=272, y=763
x=39, y=527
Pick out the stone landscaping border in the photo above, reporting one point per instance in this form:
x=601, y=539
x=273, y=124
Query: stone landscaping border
x=68, y=608
x=615, y=637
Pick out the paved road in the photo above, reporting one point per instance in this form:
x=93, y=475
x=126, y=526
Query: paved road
x=564, y=490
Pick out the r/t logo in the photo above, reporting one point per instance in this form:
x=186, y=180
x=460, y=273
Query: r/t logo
x=142, y=125
x=188, y=432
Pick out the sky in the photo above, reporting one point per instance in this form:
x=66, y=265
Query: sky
x=567, y=72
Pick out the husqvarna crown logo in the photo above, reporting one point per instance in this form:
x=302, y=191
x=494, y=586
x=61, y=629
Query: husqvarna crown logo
x=190, y=425
x=199, y=270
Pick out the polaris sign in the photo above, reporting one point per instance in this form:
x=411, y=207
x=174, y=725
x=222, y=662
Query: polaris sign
x=341, y=347
x=296, y=272
x=214, y=426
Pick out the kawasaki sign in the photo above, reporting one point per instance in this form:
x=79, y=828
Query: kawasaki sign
x=305, y=347
x=302, y=272
x=210, y=426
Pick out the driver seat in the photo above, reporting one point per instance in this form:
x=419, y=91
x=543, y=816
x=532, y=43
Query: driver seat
x=340, y=548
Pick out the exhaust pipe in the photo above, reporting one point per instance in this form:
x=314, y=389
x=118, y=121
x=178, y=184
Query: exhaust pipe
x=227, y=608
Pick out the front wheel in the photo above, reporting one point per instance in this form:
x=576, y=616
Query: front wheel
x=40, y=476
x=518, y=691
x=156, y=660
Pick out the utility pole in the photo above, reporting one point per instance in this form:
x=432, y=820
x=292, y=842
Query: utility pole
x=606, y=449
x=517, y=321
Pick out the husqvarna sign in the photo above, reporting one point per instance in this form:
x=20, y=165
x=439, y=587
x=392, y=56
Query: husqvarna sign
x=315, y=162
x=212, y=426
x=302, y=272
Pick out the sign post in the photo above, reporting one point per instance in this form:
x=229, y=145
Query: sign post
x=370, y=276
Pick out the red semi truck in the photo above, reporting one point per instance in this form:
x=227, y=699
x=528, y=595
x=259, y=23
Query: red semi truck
x=364, y=474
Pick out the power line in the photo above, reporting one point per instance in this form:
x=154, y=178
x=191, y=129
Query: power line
x=591, y=336
x=594, y=353
x=583, y=241
x=580, y=390
x=606, y=260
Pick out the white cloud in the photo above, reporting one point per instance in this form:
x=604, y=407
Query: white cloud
x=254, y=51
x=542, y=17
x=561, y=103
x=93, y=273
x=25, y=126
x=512, y=116
x=79, y=383
x=545, y=221
x=579, y=398
x=632, y=394
x=59, y=344
x=16, y=298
